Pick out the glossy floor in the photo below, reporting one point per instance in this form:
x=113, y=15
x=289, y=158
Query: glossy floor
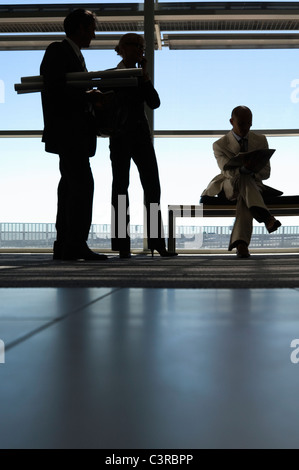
x=137, y=368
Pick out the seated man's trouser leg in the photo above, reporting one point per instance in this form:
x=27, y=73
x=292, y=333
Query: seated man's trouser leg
x=250, y=204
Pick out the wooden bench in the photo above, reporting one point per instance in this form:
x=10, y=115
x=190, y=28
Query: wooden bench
x=222, y=207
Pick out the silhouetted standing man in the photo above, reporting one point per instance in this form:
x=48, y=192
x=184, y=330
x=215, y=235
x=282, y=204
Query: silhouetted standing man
x=69, y=131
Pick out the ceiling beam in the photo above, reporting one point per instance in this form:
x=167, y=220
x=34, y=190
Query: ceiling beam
x=182, y=16
x=231, y=41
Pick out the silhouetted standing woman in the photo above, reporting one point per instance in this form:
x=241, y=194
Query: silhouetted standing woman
x=134, y=141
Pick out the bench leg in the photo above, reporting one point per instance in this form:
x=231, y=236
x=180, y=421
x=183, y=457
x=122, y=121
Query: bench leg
x=171, y=232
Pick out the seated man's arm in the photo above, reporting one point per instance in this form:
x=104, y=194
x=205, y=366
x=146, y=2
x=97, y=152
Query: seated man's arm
x=248, y=167
x=264, y=173
x=223, y=156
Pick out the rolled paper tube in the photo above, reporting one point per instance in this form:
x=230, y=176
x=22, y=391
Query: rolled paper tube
x=115, y=73
x=28, y=86
x=32, y=90
x=103, y=83
x=35, y=79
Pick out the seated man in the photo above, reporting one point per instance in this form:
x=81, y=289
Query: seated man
x=242, y=183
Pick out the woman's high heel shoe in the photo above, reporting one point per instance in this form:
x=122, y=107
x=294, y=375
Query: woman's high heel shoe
x=162, y=252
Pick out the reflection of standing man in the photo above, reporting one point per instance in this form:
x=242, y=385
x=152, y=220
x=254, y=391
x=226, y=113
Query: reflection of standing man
x=70, y=132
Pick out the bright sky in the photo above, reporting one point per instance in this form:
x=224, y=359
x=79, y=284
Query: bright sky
x=198, y=90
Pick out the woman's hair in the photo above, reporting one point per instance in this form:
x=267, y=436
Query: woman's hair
x=77, y=18
x=126, y=38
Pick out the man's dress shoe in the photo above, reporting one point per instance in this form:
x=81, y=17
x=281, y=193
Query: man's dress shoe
x=242, y=251
x=124, y=254
x=272, y=224
x=75, y=253
x=85, y=254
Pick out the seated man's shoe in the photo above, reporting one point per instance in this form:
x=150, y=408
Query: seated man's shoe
x=163, y=252
x=160, y=247
x=242, y=250
x=272, y=224
x=124, y=254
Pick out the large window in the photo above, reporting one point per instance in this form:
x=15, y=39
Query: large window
x=198, y=89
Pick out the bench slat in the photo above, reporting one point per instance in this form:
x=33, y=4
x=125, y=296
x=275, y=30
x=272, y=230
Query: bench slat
x=281, y=206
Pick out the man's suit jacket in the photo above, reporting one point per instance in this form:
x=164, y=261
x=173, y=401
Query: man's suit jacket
x=226, y=148
x=69, y=125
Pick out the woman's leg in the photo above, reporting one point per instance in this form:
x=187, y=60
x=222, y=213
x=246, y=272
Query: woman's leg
x=120, y=218
x=145, y=159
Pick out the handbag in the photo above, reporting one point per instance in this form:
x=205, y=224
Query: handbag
x=109, y=116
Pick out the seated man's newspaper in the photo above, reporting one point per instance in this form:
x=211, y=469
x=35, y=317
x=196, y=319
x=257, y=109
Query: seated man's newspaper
x=256, y=160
